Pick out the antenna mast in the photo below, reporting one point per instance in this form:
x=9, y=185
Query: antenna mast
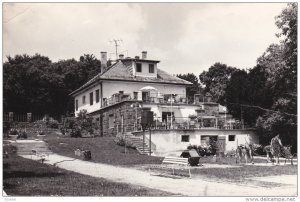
x=117, y=43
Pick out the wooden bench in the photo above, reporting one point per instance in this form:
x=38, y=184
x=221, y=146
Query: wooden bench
x=174, y=162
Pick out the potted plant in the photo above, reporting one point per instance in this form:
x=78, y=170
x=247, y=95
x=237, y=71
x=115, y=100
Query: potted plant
x=41, y=135
x=13, y=134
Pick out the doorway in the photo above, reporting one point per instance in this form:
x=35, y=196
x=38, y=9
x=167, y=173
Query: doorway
x=145, y=96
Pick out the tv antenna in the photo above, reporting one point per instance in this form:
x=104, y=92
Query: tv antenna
x=117, y=43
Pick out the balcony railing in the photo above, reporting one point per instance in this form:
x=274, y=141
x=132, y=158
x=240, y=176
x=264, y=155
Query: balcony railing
x=184, y=123
x=147, y=98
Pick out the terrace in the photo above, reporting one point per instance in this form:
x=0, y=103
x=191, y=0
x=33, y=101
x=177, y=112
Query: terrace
x=146, y=97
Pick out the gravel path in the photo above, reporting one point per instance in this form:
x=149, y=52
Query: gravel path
x=182, y=186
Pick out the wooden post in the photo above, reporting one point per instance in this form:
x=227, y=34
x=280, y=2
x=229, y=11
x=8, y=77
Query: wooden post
x=150, y=140
x=143, y=139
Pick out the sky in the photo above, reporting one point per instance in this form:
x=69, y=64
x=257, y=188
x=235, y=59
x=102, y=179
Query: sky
x=185, y=37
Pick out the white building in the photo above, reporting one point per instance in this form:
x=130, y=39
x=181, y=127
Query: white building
x=117, y=96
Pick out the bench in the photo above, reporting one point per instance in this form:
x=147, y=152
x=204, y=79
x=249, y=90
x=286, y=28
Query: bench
x=174, y=162
x=40, y=155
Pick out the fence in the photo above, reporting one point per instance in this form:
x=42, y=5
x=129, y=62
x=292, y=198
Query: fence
x=29, y=117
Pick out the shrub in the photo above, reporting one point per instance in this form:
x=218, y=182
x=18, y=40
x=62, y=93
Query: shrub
x=212, y=146
x=75, y=133
x=22, y=135
x=190, y=147
x=53, y=123
x=203, y=150
x=83, y=125
x=258, y=149
x=6, y=127
x=119, y=140
x=13, y=132
x=40, y=132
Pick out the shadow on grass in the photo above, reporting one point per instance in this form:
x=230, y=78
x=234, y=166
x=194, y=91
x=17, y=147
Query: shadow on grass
x=30, y=174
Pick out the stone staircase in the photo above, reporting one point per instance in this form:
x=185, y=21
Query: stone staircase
x=138, y=143
x=25, y=147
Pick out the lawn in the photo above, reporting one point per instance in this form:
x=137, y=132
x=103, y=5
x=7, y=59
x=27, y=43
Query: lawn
x=103, y=149
x=243, y=172
x=24, y=177
x=227, y=160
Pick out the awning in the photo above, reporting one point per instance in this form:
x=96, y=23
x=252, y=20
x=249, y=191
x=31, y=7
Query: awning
x=148, y=88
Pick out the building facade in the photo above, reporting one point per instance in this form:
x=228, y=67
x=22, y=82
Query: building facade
x=117, y=96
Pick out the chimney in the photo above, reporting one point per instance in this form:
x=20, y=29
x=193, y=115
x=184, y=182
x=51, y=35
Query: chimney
x=144, y=55
x=103, y=61
x=121, y=56
x=137, y=57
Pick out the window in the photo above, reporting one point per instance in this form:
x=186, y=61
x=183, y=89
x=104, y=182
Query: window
x=76, y=105
x=185, y=138
x=135, y=95
x=97, y=96
x=138, y=67
x=83, y=99
x=151, y=68
x=166, y=116
x=91, y=98
x=204, y=140
x=231, y=138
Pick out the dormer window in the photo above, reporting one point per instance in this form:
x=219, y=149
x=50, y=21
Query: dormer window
x=138, y=67
x=151, y=68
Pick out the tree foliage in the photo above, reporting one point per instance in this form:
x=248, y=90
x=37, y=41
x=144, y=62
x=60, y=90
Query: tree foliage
x=193, y=89
x=266, y=96
x=216, y=80
x=36, y=84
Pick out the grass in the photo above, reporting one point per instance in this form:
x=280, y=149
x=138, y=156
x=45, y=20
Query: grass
x=227, y=160
x=103, y=149
x=245, y=171
x=24, y=177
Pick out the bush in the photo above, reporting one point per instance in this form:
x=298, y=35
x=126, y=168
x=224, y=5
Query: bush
x=53, y=123
x=41, y=132
x=81, y=126
x=13, y=132
x=258, y=149
x=119, y=140
x=204, y=150
x=75, y=133
x=6, y=127
x=22, y=135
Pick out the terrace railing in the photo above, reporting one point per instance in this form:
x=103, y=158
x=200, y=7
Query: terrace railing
x=151, y=97
x=185, y=123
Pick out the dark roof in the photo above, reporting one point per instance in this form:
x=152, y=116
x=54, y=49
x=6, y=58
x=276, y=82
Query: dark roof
x=122, y=71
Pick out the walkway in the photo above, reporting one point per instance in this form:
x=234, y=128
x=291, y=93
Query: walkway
x=185, y=186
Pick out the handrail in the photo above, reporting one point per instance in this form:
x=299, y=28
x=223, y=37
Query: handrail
x=153, y=146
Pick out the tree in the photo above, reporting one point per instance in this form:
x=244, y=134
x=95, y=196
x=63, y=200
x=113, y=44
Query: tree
x=280, y=63
x=236, y=93
x=287, y=23
x=193, y=89
x=35, y=84
x=216, y=79
x=29, y=84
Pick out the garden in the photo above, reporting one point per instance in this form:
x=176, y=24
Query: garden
x=37, y=179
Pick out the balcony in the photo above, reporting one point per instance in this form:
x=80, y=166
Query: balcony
x=184, y=123
x=146, y=97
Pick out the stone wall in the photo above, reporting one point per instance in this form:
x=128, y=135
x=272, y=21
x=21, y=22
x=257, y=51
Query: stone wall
x=112, y=118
